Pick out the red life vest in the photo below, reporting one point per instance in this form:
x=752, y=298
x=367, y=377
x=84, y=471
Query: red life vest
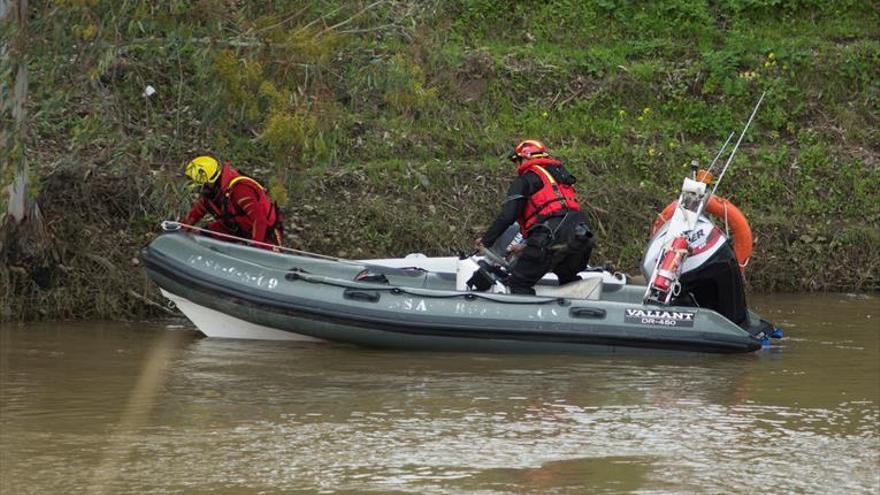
x=230, y=213
x=551, y=200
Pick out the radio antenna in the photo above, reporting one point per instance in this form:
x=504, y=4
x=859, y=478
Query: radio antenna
x=738, y=141
x=723, y=147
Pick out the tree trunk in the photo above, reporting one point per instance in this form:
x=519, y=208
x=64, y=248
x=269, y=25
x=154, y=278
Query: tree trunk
x=13, y=16
x=25, y=250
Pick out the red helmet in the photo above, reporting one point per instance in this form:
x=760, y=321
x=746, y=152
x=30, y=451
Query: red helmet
x=530, y=148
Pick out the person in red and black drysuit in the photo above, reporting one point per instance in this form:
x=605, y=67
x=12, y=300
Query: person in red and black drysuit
x=542, y=199
x=238, y=203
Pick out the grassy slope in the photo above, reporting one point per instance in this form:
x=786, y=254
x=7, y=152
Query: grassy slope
x=364, y=116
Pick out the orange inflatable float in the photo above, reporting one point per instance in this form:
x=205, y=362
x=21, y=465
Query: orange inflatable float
x=726, y=211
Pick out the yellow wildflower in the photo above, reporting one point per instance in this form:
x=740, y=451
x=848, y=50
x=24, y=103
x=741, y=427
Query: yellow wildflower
x=89, y=32
x=748, y=75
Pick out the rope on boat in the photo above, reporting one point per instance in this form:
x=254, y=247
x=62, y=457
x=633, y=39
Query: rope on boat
x=173, y=225
x=397, y=290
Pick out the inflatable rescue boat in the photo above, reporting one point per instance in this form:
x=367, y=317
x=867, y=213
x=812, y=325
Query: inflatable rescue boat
x=418, y=303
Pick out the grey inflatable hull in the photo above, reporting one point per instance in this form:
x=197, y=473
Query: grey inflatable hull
x=237, y=291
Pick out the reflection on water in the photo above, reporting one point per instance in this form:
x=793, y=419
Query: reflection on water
x=115, y=408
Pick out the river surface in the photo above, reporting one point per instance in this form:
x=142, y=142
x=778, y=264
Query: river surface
x=151, y=408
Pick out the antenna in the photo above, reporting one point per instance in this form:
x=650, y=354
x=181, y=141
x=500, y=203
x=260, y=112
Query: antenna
x=711, y=165
x=723, y=147
x=738, y=141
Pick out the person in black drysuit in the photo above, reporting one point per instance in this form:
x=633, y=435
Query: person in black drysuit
x=543, y=201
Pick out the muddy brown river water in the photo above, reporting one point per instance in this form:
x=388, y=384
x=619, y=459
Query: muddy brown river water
x=151, y=408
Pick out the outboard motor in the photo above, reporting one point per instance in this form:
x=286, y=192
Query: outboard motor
x=687, y=241
x=695, y=267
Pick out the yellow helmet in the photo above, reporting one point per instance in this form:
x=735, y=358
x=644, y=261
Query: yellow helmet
x=203, y=170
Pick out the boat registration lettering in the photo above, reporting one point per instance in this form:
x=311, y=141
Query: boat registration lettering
x=659, y=317
x=234, y=273
x=413, y=306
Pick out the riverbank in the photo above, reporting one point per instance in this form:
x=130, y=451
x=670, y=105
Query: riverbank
x=381, y=128
x=372, y=213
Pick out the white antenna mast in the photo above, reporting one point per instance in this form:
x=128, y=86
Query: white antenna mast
x=736, y=147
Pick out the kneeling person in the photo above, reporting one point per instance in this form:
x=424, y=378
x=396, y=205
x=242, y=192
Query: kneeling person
x=542, y=199
x=238, y=203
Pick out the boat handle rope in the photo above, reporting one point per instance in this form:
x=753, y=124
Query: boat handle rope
x=469, y=296
x=173, y=226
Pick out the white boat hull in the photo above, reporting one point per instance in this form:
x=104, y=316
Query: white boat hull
x=216, y=324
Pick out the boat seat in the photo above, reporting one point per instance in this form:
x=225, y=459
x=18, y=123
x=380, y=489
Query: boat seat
x=590, y=289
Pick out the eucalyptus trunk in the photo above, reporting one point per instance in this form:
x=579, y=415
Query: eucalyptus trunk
x=13, y=96
x=25, y=253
